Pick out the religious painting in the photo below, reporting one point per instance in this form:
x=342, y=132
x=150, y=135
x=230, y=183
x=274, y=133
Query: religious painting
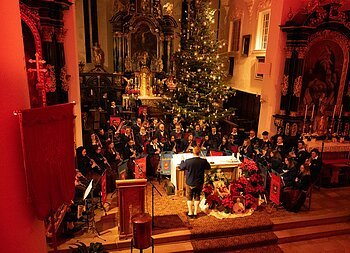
x=143, y=45
x=322, y=73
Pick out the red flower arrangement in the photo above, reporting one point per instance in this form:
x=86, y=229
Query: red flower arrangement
x=249, y=185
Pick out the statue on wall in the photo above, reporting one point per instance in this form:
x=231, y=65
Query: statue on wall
x=159, y=65
x=168, y=9
x=98, y=54
x=128, y=64
x=144, y=58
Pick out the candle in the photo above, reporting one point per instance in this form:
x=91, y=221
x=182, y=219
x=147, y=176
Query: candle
x=341, y=110
x=335, y=108
x=312, y=114
x=305, y=112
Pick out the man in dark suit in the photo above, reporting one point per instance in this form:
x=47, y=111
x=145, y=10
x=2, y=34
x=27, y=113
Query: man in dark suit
x=214, y=138
x=254, y=141
x=265, y=143
x=301, y=154
x=315, y=165
x=195, y=168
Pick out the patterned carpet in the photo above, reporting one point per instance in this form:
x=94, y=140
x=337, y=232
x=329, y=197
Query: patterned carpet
x=210, y=234
x=207, y=226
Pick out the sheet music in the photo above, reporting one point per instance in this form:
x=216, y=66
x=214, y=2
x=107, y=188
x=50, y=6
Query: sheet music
x=88, y=190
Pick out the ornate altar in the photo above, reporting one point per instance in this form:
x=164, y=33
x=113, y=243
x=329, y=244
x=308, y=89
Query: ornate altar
x=143, y=46
x=315, y=88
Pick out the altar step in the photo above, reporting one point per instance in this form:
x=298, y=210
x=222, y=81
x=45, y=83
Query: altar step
x=312, y=232
x=285, y=230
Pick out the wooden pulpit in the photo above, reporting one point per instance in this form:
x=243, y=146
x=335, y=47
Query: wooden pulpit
x=131, y=201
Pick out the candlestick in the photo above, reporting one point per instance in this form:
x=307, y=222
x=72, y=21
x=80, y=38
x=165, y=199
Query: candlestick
x=335, y=108
x=305, y=113
x=341, y=110
x=312, y=114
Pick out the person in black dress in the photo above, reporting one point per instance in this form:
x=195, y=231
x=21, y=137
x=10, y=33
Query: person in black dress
x=195, y=168
x=225, y=146
x=294, y=197
x=153, y=157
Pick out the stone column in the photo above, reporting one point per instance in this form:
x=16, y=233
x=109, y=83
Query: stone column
x=71, y=54
x=20, y=231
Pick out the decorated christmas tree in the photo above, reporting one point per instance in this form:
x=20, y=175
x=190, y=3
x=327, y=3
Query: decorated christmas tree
x=200, y=75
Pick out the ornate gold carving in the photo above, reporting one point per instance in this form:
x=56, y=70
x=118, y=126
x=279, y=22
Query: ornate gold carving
x=65, y=78
x=47, y=32
x=301, y=52
x=321, y=14
x=297, y=86
x=288, y=51
x=50, y=78
x=284, y=85
x=31, y=18
x=60, y=34
x=168, y=9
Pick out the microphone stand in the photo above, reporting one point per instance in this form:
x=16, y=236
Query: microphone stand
x=153, y=188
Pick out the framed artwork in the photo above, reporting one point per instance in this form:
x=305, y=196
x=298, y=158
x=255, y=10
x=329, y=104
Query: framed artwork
x=246, y=44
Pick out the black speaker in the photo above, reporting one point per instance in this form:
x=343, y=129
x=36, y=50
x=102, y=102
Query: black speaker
x=169, y=188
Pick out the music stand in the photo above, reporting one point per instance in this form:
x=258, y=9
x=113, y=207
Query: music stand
x=90, y=191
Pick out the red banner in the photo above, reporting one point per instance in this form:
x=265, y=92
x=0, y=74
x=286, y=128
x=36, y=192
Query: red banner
x=48, y=148
x=140, y=168
x=104, y=188
x=275, y=188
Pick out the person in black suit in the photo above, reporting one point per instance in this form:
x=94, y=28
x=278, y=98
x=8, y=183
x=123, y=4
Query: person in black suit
x=281, y=147
x=315, y=164
x=162, y=135
x=254, y=141
x=214, y=138
x=195, y=168
x=265, y=143
x=246, y=149
x=302, y=154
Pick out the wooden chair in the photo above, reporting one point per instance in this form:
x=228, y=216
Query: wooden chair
x=216, y=153
x=308, y=198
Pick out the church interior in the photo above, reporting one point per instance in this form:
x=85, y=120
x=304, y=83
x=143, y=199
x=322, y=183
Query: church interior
x=175, y=126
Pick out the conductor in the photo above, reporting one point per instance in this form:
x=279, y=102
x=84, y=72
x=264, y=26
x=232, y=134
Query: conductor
x=195, y=168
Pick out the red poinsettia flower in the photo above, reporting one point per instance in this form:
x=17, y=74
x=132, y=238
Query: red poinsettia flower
x=207, y=189
x=250, y=201
x=213, y=200
x=227, y=202
x=255, y=178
